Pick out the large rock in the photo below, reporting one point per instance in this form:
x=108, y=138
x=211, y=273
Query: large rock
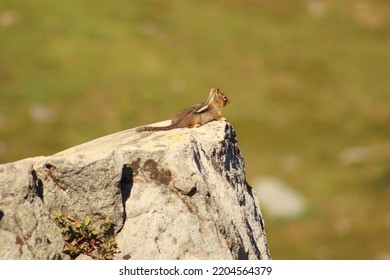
x=179, y=194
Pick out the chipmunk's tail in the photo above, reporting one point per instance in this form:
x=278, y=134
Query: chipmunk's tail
x=156, y=128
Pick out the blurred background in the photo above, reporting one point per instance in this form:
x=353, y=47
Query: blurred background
x=308, y=80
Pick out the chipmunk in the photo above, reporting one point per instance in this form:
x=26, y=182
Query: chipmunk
x=196, y=115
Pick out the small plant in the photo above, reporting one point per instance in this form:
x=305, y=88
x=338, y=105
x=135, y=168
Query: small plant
x=81, y=238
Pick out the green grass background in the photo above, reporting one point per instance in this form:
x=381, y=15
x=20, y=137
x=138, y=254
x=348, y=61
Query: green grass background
x=307, y=80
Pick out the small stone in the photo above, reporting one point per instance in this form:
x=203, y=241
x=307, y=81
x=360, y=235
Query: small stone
x=42, y=114
x=278, y=199
x=8, y=18
x=354, y=155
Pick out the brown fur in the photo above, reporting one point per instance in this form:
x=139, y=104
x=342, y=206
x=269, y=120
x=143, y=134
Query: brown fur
x=196, y=115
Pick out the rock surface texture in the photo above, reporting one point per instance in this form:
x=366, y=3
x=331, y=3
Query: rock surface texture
x=178, y=194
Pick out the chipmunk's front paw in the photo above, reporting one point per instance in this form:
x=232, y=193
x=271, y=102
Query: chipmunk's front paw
x=222, y=119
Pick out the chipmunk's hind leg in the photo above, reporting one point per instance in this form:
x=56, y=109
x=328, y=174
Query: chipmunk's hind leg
x=192, y=124
x=191, y=121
